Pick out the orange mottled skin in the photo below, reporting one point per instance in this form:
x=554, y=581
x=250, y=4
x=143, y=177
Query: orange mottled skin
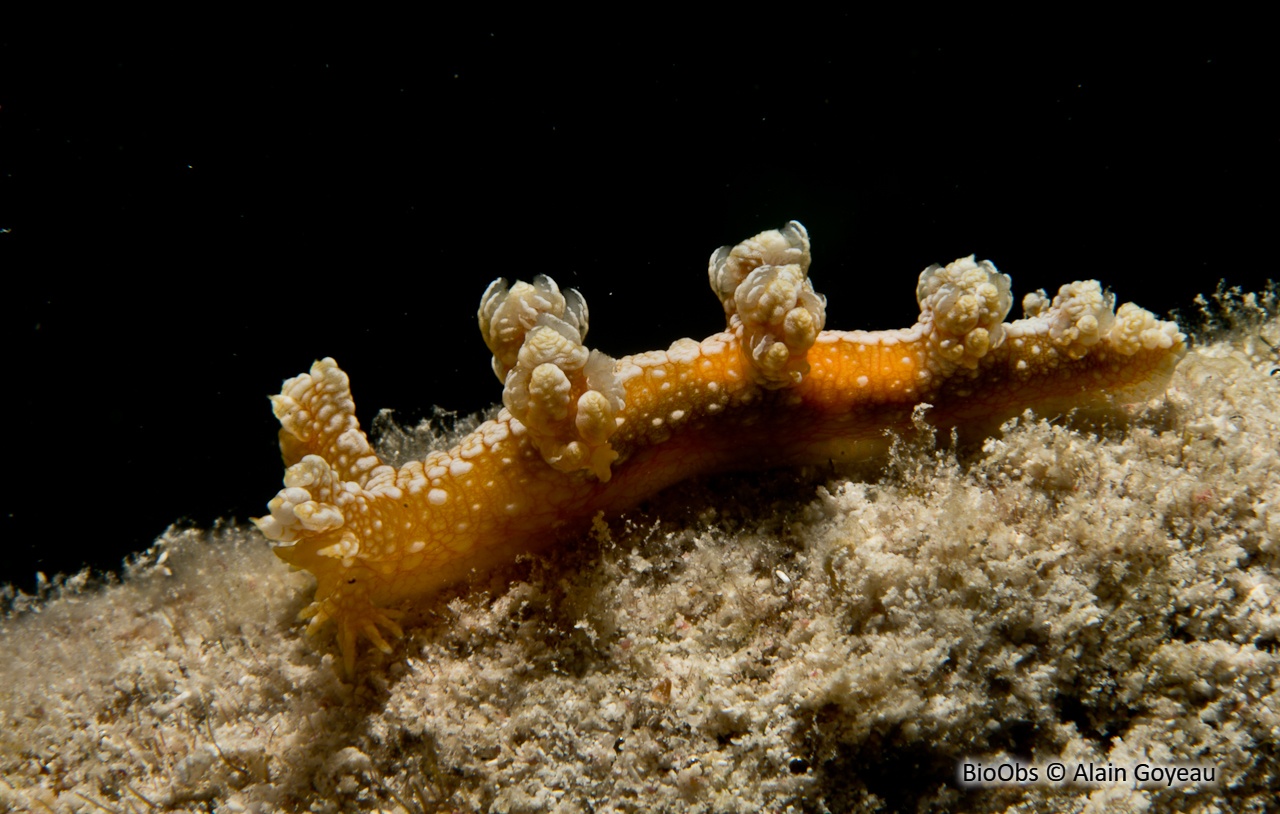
x=377, y=538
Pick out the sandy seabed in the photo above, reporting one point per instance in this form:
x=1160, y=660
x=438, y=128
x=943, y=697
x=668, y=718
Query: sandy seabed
x=1089, y=591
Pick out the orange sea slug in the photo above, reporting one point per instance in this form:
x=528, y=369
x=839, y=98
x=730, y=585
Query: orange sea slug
x=583, y=433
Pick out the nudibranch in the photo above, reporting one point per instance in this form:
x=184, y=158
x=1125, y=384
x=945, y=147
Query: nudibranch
x=583, y=433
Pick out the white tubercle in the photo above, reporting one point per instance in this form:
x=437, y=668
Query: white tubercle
x=962, y=311
x=564, y=394
x=770, y=302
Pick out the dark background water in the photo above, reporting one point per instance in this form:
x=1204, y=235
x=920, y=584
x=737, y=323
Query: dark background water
x=186, y=220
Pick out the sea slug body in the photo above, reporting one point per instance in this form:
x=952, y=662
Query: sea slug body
x=583, y=433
